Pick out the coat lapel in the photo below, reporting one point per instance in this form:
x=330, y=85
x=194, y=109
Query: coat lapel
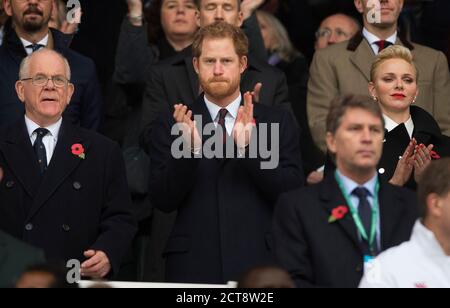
x=21, y=159
x=362, y=58
x=61, y=166
x=332, y=197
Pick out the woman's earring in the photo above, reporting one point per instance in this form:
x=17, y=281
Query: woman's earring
x=414, y=100
x=375, y=99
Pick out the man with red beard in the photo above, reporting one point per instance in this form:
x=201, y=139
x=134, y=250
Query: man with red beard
x=224, y=205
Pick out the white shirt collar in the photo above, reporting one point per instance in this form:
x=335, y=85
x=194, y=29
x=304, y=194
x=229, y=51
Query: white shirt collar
x=371, y=38
x=232, y=108
x=427, y=240
x=53, y=129
x=350, y=185
x=391, y=124
x=26, y=43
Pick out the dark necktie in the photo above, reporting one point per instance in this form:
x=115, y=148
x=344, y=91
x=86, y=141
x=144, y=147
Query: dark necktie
x=383, y=44
x=39, y=148
x=35, y=47
x=365, y=214
x=222, y=114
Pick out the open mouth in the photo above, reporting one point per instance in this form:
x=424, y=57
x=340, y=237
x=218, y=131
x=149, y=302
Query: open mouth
x=49, y=100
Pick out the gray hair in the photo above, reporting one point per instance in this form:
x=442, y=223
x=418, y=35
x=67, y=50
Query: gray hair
x=283, y=45
x=24, y=71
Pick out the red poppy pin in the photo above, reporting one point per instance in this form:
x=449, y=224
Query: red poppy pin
x=78, y=150
x=338, y=213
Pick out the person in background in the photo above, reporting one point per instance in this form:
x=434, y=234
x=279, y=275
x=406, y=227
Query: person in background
x=266, y=277
x=29, y=34
x=284, y=56
x=45, y=276
x=15, y=256
x=335, y=29
x=413, y=137
x=424, y=261
x=325, y=233
x=345, y=68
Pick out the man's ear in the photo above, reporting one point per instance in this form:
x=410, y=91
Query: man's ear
x=434, y=205
x=70, y=90
x=195, y=63
x=20, y=90
x=7, y=7
x=331, y=143
x=243, y=64
x=240, y=19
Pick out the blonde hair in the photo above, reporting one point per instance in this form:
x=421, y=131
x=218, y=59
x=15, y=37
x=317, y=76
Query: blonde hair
x=283, y=45
x=393, y=52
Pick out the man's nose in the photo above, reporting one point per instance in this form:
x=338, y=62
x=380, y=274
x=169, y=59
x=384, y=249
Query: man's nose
x=218, y=68
x=219, y=14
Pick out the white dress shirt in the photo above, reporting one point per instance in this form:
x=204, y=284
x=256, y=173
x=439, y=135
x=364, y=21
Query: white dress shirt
x=49, y=140
x=231, y=116
x=371, y=38
x=391, y=125
x=350, y=185
x=419, y=263
x=26, y=43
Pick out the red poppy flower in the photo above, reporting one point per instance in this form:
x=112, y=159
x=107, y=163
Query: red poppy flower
x=338, y=213
x=78, y=150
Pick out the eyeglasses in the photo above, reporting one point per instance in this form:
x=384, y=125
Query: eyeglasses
x=328, y=32
x=42, y=80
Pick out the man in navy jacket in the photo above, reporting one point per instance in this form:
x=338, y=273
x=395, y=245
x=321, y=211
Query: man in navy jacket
x=30, y=33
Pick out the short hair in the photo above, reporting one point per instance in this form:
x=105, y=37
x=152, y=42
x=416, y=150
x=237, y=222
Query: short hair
x=199, y=2
x=24, y=70
x=392, y=52
x=56, y=270
x=435, y=179
x=266, y=277
x=341, y=104
x=221, y=30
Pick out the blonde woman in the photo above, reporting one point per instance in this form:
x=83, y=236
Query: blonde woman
x=413, y=138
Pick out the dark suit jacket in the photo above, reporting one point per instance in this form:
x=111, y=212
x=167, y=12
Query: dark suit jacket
x=224, y=205
x=85, y=107
x=175, y=81
x=15, y=257
x=426, y=131
x=78, y=204
x=317, y=253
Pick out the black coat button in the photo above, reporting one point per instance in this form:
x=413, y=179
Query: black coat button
x=10, y=184
x=29, y=227
x=66, y=227
x=76, y=185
